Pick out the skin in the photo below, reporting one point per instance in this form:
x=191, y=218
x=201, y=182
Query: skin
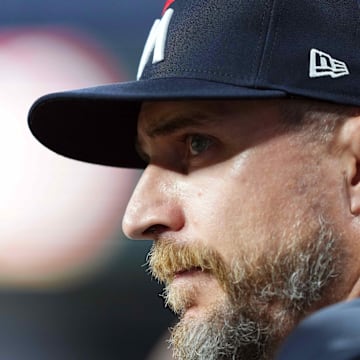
x=240, y=186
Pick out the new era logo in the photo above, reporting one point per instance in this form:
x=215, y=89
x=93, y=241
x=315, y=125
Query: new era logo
x=322, y=64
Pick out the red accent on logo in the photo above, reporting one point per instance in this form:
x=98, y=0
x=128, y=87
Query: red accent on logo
x=167, y=5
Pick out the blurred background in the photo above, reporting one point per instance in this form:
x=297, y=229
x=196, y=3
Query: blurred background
x=71, y=285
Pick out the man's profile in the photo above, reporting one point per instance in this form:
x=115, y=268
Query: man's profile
x=245, y=118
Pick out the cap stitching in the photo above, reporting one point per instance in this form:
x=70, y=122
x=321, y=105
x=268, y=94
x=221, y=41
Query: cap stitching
x=253, y=70
x=262, y=57
x=275, y=38
x=162, y=72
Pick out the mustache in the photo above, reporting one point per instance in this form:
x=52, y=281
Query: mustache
x=168, y=258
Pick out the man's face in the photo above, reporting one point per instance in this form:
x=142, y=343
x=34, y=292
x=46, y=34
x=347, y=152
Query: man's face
x=244, y=231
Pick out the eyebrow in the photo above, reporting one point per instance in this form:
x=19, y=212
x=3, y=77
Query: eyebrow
x=171, y=125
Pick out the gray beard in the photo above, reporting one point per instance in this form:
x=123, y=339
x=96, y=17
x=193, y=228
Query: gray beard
x=220, y=337
x=266, y=302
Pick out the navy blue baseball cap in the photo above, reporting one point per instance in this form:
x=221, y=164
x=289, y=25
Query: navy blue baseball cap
x=211, y=49
x=332, y=333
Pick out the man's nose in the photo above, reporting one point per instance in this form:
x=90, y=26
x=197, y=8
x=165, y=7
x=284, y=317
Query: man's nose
x=155, y=205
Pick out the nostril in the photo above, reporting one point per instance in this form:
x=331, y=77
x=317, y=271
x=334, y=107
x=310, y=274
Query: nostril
x=155, y=230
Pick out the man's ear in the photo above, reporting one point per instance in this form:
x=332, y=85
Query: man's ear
x=349, y=141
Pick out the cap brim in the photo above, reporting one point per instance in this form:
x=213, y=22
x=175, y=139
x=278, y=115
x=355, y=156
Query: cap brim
x=98, y=125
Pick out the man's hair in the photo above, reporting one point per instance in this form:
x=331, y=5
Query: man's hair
x=320, y=119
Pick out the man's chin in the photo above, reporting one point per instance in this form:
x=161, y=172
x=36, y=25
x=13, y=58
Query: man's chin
x=214, y=333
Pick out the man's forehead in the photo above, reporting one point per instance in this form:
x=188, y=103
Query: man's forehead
x=155, y=113
x=161, y=118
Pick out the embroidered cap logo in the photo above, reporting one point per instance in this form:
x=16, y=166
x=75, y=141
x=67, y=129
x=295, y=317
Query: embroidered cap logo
x=322, y=64
x=156, y=40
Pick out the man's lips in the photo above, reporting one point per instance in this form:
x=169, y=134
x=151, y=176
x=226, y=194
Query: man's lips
x=188, y=272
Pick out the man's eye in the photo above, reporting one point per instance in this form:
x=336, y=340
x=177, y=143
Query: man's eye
x=198, y=144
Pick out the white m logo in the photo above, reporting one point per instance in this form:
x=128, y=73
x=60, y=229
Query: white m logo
x=155, y=42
